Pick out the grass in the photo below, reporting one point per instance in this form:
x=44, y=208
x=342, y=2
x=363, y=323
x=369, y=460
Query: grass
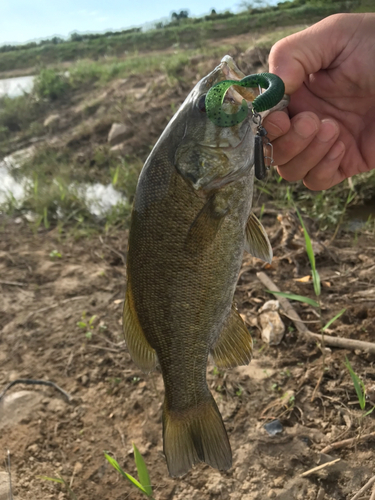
x=55, y=175
x=191, y=32
x=144, y=483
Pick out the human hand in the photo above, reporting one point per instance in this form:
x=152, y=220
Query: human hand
x=328, y=69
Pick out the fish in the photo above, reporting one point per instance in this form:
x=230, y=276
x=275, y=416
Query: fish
x=190, y=225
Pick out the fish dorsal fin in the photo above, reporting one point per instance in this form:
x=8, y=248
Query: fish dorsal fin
x=257, y=242
x=235, y=345
x=140, y=350
x=207, y=223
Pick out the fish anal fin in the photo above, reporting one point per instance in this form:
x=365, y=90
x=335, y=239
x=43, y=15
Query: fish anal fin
x=140, y=350
x=235, y=345
x=195, y=435
x=257, y=242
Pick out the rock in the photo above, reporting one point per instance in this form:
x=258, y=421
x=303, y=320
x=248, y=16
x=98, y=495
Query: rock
x=274, y=427
x=272, y=326
x=118, y=133
x=51, y=121
x=119, y=149
x=17, y=406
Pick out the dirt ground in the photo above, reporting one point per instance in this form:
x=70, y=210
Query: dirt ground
x=50, y=282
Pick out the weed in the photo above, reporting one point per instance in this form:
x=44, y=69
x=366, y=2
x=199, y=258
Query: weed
x=51, y=84
x=360, y=389
x=62, y=481
x=87, y=325
x=144, y=483
x=55, y=254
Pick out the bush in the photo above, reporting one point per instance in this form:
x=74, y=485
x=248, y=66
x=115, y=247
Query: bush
x=50, y=84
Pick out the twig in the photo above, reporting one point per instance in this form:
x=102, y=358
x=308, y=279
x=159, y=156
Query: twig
x=304, y=331
x=347, y=442
x=317, y=386
x=373, y=494
x=113, y=250
x=12, y=283
x=35, y=382
x=56, y=304
x=95, y=346
x=364, y=488
x=10, y=478
x=319, y=467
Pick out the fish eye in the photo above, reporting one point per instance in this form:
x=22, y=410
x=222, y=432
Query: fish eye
x=202, y=103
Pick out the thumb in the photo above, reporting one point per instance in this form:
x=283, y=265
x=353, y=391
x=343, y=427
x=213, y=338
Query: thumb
x=295, y=57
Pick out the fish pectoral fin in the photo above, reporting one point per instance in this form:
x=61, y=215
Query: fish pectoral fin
x=195, y=435
x=140, y=350
x=235, y=345
x=257, y=242
x=203, y=230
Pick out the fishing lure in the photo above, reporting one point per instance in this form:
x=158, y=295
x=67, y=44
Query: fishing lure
x=274, y=93
x=215, y=97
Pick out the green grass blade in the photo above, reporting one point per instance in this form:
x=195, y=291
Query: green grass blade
x=60, y=480
x=54, y=479
x=333, y=319
x=316, y=282
x=127, y=476
x=309, y=248
x=370, y=411
x=358, y=385
x=143, y=474
x=311, y=256
x=300, y=298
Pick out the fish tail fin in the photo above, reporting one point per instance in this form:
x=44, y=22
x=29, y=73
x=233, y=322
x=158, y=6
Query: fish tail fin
x=196, y=435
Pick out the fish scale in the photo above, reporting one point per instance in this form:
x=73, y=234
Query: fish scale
x=188, y=231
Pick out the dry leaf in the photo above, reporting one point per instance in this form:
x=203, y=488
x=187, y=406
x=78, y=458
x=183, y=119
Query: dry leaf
x=305, y=279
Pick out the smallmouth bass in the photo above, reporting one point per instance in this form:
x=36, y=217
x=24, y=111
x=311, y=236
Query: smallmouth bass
x=190, y=224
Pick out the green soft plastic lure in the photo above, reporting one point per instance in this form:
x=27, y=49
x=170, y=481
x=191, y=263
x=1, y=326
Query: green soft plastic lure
x=275, y=90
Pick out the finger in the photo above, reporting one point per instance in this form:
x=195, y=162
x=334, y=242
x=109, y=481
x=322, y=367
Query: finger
x=304, y=127
x=306, y=52
x=276, y=124
x=299, y=166
x=328, y=172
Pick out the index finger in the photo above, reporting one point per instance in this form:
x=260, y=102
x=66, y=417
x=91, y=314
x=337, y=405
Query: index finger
x=295, y=57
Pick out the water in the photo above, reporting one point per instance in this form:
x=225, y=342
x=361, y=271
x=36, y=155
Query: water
x=14, y=87
x=359, y=215
x=99, y=198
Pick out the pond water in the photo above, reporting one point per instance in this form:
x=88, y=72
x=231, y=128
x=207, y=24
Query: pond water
x=14, y=87
x=99, y=198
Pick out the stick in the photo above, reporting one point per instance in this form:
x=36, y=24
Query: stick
x=113, y=250
x=35, y=382
x=12, y=283
x=10, y=478
x=56, y=304
x=364, y=488
x=347, y=442
x=320, y=467
x=304, y=331
x=373, y=494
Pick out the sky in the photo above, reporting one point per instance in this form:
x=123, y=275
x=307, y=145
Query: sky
x=25, y=20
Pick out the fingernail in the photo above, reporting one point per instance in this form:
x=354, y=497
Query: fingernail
x=327, y=131
x=336, y=150
x=305, y=127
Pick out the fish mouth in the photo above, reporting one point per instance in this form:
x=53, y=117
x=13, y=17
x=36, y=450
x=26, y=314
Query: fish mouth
x=232, y=72
x=225, y=145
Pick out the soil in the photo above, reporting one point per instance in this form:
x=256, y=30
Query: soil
x=50, y=282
